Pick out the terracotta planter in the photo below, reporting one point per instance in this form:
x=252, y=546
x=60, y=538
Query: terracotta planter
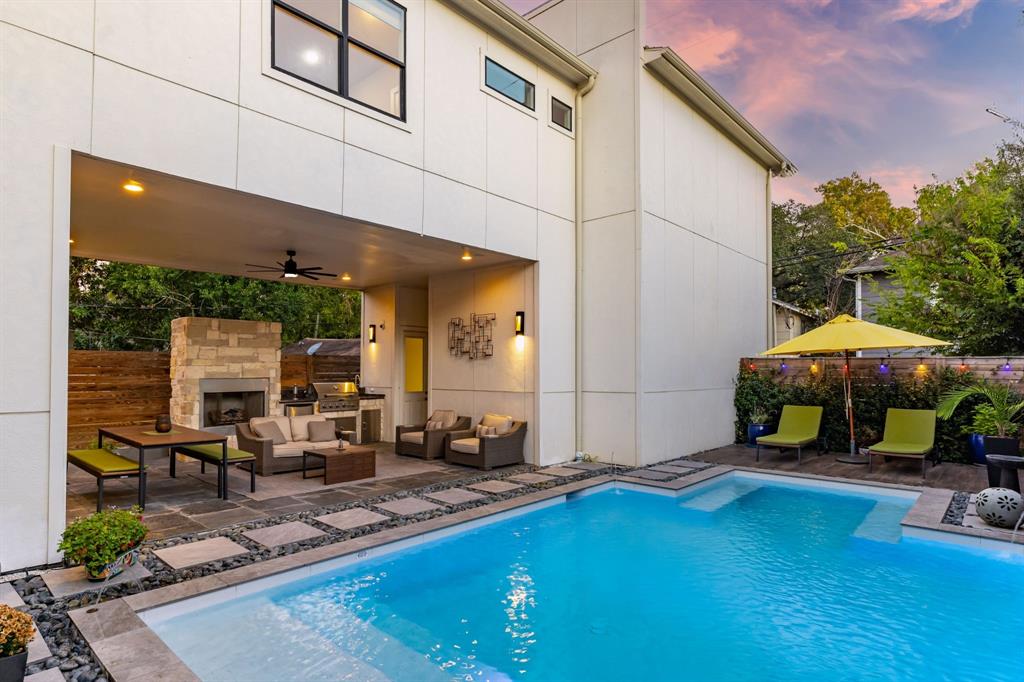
x=115, y=567
x=12, y=668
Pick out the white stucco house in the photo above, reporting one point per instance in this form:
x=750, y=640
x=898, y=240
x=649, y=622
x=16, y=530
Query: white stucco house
x=450, y=157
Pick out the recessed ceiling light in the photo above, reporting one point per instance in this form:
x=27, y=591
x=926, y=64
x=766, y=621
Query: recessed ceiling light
x=466, y=255
x=133, y=186
x=345, y=277
x=311, y=57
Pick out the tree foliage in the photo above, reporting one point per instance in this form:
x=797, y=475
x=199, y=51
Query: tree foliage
x=123, y=306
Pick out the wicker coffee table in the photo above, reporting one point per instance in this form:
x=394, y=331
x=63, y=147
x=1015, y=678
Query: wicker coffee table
x=351, y=463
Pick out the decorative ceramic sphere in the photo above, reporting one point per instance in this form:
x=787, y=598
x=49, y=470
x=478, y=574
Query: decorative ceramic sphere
x=1000, y=507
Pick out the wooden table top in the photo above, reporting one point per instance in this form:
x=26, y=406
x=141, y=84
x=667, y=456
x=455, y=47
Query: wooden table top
x=146, y=437
x=337, y=452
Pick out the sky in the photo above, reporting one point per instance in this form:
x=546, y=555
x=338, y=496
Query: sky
x=893, y=89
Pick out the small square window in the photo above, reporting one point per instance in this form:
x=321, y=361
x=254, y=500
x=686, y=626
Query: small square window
x=378, y=24
x=501, y=80
x=561, y=114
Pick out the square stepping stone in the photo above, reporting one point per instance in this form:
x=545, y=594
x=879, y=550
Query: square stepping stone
x=201, y=552
x=407, y=506
x=38, y=650
x=649, y=475
x=67, y=581
x=685, y=463
x=48, y=675
x=455, y=496
x=532, y=478
x=587, y=466
x=561, y=471
x=351, y=518
x=10, y=596
x=494, y=486
x=283, y=534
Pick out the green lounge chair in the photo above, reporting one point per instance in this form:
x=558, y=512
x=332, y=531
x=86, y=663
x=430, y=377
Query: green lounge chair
x=908, y=433
x=798, y=427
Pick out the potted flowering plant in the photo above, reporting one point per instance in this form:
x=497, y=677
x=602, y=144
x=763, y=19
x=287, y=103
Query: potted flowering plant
x=16, y=631
x=759, y=425
x=105, y=542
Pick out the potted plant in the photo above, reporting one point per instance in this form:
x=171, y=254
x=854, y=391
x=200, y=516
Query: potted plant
x=759, y=425
x=982, y=426
x=16, y=631
x=997, y=413
x=105, y=542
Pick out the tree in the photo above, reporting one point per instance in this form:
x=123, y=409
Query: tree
x=963, y=273
x=123, y=306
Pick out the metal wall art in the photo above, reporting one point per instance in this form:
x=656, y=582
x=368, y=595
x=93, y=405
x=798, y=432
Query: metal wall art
x=475, y=339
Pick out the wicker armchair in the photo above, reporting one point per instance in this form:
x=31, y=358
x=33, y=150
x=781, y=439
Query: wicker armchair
x=491, y=451
x=431, y=443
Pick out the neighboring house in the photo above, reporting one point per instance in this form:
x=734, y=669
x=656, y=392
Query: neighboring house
x=324, y=347
x=873, y=279
x=454, y=159
x=790, y=321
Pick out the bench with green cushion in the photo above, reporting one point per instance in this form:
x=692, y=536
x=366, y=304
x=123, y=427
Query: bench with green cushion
x=103, y=464
x=908, y=433
x=798, y=427
x=213, y=454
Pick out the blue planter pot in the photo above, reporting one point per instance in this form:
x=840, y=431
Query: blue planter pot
x=976, y=444
x=755, y=431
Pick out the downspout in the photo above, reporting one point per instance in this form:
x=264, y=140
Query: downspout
x=770, y=341
x=578, y=383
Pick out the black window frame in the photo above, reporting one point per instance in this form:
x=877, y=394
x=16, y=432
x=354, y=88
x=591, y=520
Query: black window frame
x=505, y=95
x=571, y=114
x=343, y=42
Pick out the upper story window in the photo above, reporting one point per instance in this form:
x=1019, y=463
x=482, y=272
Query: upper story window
x=355, y=48
x=561, y=114
x=516, y=88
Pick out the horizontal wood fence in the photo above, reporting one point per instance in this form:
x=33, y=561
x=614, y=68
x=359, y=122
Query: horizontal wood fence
x=997, y=369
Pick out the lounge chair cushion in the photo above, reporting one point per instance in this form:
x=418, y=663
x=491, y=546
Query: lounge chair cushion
x=321, y=431
x=469, y=446
x=212, y=453
x=300, y=425
x=775, y=440
x=798, y=426
x=501, y=422
x=907, y=432
x=897, y=448
x=446, y=417
x=102, y=462
x=274, y=428
x=415, y=437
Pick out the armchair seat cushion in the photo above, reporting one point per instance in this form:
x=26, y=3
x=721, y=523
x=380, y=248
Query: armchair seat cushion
x=469, y=446
x=415, y=437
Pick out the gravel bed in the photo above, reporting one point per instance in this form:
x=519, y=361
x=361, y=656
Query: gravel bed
x=957, y=508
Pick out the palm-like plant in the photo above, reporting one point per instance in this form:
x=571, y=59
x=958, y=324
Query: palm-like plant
x=1006, y=405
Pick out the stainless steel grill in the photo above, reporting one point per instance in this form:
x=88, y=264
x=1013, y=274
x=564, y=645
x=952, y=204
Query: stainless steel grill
x=342, y=396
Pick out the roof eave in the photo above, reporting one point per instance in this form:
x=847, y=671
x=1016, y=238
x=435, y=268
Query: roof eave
x=498, y=18
x=680, y=76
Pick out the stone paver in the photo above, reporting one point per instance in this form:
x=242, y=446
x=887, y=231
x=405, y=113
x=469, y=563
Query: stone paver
x=9, y=596
x=48, y=675
x=686, y=463
x=649, y=474
x=532, y=478
x=455, y=496
x=67, y=581
x=494, y=486
x=351, y=518
x=587, y=466
x=677, y=470
x=38, y=650
x=407, y=506
x=283, y=534
x=561, y=471
x=202, y=552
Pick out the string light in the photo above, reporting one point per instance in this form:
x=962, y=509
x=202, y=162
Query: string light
x=814, y=367
x=963, y=367
x=783, y=367
x=883, y=367
x=752, y=367
x=1007, y=367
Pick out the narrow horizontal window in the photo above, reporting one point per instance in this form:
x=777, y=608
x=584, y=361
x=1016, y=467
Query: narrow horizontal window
x=501, y=80
x=561, y=114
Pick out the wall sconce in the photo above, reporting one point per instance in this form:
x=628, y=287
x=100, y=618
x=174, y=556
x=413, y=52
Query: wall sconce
x=371, y=334
x=520, y=323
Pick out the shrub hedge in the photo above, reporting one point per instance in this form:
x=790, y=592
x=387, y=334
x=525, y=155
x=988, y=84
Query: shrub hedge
x=871, y=398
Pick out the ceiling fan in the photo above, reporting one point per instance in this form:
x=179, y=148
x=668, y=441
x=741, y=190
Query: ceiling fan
x=290, y=269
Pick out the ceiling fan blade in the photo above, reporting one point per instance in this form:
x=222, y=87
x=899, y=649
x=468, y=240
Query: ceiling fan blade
x=263, y=272
x=302, y=274
x=255, y=265
x=315, y=267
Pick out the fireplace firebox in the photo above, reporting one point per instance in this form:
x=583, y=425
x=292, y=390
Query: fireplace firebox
x=226, y=402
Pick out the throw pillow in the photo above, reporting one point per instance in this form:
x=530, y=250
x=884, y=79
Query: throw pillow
x=434, y=425
x=269, y=430
x=321, y=432
x=485, y=431
x=501, y=422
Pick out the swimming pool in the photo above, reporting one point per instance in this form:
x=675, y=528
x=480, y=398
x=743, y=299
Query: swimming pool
x=742, y=579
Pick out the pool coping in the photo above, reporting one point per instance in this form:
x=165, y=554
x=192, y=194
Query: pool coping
x=130, y=651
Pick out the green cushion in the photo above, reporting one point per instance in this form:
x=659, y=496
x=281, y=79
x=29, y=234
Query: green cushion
x=913, y=429
x=777, y=440
x=102, y=461
x=214, y=452
x=898, y=448
x=798, y=426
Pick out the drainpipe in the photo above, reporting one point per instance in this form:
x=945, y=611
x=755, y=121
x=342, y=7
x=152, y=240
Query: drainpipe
x=768, y=258
x=579, y=259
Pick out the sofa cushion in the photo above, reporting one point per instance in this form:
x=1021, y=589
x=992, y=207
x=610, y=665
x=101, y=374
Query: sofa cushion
x=469, y=446
x=501, y=422
x=295, y=448
x=321, y=431
x=282, y=423
x=270, y=429
x=415, y=437
x=446, y=417
x=300, y=425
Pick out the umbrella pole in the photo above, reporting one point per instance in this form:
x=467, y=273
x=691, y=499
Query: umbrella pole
x=854, y=457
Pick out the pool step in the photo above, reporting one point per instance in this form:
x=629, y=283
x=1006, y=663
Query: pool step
x=719, y=496
x=882, y=523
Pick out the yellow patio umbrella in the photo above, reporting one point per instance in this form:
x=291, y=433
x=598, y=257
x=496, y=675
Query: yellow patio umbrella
x=844, y=334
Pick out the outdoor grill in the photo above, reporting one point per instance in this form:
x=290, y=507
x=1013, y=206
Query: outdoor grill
x=342, y=396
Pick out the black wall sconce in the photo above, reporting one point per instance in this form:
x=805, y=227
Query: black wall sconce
x=520, y=323
x=371, y=334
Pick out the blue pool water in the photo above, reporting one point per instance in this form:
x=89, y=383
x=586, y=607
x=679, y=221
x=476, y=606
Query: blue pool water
x=743, y=580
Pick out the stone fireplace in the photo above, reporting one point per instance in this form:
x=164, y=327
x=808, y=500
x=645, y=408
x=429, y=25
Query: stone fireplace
x=224, y=371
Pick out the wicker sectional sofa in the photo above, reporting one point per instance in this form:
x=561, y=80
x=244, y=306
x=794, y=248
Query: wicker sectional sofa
x=276, y=459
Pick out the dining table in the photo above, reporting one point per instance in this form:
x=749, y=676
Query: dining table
x=144, y=438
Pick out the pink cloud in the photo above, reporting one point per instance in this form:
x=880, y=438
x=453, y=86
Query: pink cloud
x=935, y=11
x=900, y=181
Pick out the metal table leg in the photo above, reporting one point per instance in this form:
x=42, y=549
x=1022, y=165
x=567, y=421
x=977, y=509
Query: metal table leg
x=142, y=478
x=224, y=469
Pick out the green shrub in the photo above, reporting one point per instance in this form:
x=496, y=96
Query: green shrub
x=100, y=538
x=871, y=398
